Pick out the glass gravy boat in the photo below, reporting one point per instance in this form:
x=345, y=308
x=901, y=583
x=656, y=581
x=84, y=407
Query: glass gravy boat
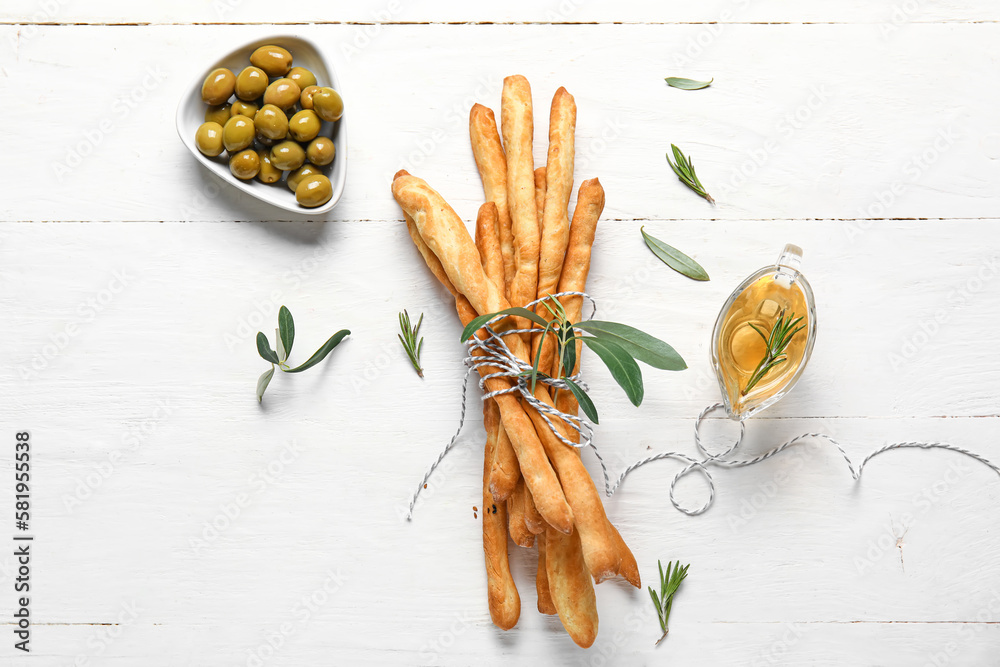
x=746, y=342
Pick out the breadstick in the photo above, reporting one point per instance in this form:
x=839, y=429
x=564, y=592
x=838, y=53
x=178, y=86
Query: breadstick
x=591, y=522
x=554, y=219
x=576, y=267
x=446, y=237
x=505, y=471
x=540, y=195
x=558, y=188
x=545, y=605
x=533, y=521
x=570, y=585
x=598, y=547
x=601, y=550
x=517, y=126
x=515, y=517
x=452, y=256
x=590, y=204
x=501, y=592
x=492, y=165
x=536, y=470
x=627, y=568
x=488, y=243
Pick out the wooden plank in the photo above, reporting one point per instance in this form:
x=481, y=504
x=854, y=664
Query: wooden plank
x=157, y=470
x=905, y=311
x=515, y=11
x=773, y=138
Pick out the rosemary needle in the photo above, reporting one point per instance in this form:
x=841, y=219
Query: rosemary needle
x=669, y=583
x=685, y=172
x=781, y=335
x=408, y=338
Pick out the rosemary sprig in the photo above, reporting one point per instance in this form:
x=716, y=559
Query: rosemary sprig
x=685, y=172
x=408, y=338
x=781, y=335
x=669, y=583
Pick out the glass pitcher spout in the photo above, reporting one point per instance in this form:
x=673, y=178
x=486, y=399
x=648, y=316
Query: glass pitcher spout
x=764, y=336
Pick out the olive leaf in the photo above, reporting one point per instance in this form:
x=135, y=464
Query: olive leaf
x=282, y=354
x=477, y=323
x=321, y=353
x=567, y=344
x=264, y=349
x=263, y=381
x=622, y=366
x=538, y=357
x=284, y=337
x=639, y=344
x=617, y=345
x=286, y=330
x=674, y=258
x=586, y=404
x=687, y=84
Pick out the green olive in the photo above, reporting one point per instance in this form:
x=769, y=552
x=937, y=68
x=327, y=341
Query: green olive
x=266, y=141
x=245, y=164
x=283, y=93
x=287, y=156
x=295, y=176
x=302, y=77
x=313, y=191
x=328, y=104
x=241, y=108
x=208, y=138
x=218, y=114
x=268, y=172
x=238, y=133
x=274, y=60
x=304, y=125
x=251, y=83
x=306, y=98
x=218, y=86
x=321, y=151
x=271, y=122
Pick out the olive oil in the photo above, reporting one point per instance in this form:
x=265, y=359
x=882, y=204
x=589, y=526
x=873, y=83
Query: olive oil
x=738, y=347
x=741, y=347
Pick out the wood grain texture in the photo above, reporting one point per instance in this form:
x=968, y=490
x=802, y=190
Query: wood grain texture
x=179, y=523
x=146, y=416
x=513, y=11
x=775, y=137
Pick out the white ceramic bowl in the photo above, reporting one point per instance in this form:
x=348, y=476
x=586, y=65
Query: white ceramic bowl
x=191, y=114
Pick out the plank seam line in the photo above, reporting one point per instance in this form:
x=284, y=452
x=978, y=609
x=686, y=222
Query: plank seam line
x=606, y=220
x=13, y=22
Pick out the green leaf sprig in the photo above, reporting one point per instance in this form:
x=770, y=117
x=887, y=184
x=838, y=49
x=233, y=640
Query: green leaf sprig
x=674, y=258
x=408, y=337
x=780, y=336
x=284, y=337
x=669, y=583
x=687, y=84
x=685, y=172
x=619, y=346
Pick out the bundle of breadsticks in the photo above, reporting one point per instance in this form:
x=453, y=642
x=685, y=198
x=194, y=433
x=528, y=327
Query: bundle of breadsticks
x=535, y=487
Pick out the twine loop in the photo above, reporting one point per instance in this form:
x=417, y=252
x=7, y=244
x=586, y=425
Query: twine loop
x=493, y=352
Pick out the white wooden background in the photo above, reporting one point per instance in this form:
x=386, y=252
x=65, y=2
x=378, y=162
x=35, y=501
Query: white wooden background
x=866, y=132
